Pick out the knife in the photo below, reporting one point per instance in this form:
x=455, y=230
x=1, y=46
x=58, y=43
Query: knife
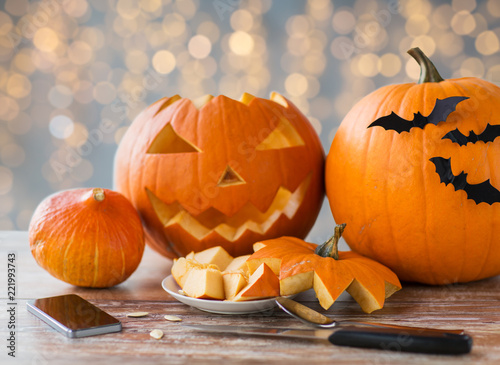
x=407, y=340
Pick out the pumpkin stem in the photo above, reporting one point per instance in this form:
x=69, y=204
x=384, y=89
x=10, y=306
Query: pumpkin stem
x=98, y=194
x=428, y=72
x=331, y=247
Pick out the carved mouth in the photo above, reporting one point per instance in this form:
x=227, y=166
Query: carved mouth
x=231, y=228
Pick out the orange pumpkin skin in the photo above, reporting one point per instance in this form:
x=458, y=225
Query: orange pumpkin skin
x=297, y=261
x=218, y=166
x=84, y=241
x=383, y=185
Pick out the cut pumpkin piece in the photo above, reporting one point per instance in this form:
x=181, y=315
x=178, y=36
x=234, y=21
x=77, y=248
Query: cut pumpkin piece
x=301, y=265
x=234, y=281
x=181, y=267
x=263, y=283
x=204, y=283
x=215, y=256
x=238, y=263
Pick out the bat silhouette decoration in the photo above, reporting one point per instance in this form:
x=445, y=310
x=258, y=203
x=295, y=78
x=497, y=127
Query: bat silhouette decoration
x=488, y=135
x=481, y=193
x=442, y=109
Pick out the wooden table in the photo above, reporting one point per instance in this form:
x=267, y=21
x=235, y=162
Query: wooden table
x=474, y=307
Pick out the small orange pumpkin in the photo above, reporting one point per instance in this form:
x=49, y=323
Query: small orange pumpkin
x=420, y=189
x=87, y=237
x=221, y=172
x=302, y=265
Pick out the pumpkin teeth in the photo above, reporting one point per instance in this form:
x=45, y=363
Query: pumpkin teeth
x=285, y=203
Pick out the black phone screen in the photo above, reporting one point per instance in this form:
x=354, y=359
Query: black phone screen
x=72, y=312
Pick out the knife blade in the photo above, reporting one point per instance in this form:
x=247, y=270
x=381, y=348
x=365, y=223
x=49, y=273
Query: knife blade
x=367, y=337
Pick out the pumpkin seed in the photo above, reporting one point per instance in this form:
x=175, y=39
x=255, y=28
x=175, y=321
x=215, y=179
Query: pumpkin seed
x=171, y=318
x=137, y=314
x=156, y=334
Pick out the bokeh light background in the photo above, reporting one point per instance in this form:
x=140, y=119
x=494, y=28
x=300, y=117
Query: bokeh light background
x=75, y=73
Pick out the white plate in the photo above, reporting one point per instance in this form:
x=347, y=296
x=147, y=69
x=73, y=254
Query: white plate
x=216, y=306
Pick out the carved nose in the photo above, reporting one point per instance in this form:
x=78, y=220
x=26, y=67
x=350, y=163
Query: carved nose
x=230, y=177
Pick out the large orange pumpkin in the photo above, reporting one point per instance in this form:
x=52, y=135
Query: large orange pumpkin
x=87, y=237
x=221, y=172
x=414, y=171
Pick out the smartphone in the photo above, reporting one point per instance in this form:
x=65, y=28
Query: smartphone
x=73, y=316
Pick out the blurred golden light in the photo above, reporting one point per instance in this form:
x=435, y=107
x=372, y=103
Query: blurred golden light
x=210, y=30
x=61, y=126
x=442, y=15
x=75, y=8
x=449, y=43
x=20, y=125
x=17, y=7
x=24, y=217
x=187, y=8
x=299, y=45
x=493, y=7
x=128, y=9
x=104, y=92
x=120, y=132
x=314, y=62
x=296, y=84
x=9, y=109
x=6, y=204
x=6, y=180
x=60, y=96
x=83, y=171
x=80, y=53
x=412, y=69
x=12, y=155
x=298, y=24
x=199, y=46
x=320, y=9
x=481, y=25
x=343, y=22
x=368, y=64
x=23, y=62
x=241, y=19
x=174, y=24
x=463, y=22
x=5, y=23
x=94, y=37
x=472, y=67
x=45, y=39
x=417, y=24
x=163, y=62
x=389, y=64
x=137, y=61
x=18, y=86
x=316, y=124
x=425, y=43
x=125, y=27
x=151, y=6
x=460, y=5
x=84, y=92
x=487, y=43
x=241, y=43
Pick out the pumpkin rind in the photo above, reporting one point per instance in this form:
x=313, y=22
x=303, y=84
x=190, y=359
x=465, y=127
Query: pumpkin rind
x=383, y=185
x=232, y=161
x=86, y=239
x=366, y=280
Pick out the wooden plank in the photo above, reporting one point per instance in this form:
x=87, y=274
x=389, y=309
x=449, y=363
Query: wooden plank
x=473, y=306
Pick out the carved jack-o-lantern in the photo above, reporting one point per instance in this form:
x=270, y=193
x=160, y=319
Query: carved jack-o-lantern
x=217, y=171
x=414, y=171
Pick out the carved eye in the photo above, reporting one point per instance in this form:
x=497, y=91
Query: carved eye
x=283, y=136
x=168, y=141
